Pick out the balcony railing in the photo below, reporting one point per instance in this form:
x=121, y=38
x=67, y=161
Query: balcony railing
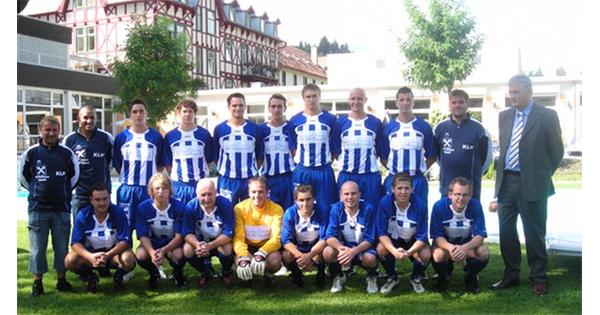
x=259, y=72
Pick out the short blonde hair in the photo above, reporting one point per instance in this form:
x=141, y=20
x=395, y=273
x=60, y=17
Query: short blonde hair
x=159, y=179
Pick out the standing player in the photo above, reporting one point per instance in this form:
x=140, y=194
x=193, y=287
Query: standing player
x=187, y=152
x=350, y=238
x=238, y=146
x=137, y=155
x=158, y=227
x=278, y=160
x=93, y=148
x=402, y=233
x=208, y=226
x=303, y=236
x=100, y=239
x=463, y=146
x=257, y=236
x=356, y=142
x=458, y=230
x=311, y=141
x=408, y=145
x=49, y=171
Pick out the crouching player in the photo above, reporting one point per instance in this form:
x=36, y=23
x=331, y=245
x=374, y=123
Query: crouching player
x=402, y=233
x=303, y=236
x=100, y=239
x=257, y=236
x=158, y=227
x=208, y=228
x=350, y=238
x=458, y=230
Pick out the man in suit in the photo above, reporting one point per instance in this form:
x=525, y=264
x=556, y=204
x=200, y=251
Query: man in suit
x=530, y=150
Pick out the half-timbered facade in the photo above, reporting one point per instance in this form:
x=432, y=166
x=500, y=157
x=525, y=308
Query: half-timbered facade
x=230, y=47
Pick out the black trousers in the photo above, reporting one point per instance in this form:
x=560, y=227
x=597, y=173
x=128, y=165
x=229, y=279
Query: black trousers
x=511, y=203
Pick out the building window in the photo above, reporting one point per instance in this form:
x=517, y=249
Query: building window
x=272, y=59
x=85, y=39
x=475, y=102
x=283, y=78
x=327, y=106
x=228, y=51
x=199, y=60
x=295, y=79
x=545, y=100
x=199, y=20
x=244, y=50
x=211, y=63
x=228, y=84
x=84, y=3
x=259, y=56
x=422, y=104
x=211, y=26
x=304, y=80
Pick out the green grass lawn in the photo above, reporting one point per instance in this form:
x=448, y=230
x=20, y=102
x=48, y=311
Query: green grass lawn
x=564, y=279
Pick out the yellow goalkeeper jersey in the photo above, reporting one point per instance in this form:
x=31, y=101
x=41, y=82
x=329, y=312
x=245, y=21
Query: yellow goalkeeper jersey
x=257, y=227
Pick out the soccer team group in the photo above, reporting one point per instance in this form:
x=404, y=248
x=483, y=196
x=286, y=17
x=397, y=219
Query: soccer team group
x=276, y=201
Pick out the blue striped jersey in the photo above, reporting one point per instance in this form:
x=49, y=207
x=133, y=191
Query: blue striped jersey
x=407, y=145
x=188, y=153
x=304, y=232
x=406, y=224
x=207, y=227
x=358, y=144
x=352, y=231
x=97, y=236
x=136, y=156
x=457, y=227
x=278, y=156
x=311, y=137
x=159, y=226
x=238, y=149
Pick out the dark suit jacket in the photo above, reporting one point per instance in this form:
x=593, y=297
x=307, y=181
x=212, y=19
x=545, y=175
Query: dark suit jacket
x=540, y=151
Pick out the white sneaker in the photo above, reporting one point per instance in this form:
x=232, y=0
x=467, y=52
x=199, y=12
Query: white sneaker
x=417, y=285
x=372, y=284
x=128, y=276
x=338, y=284
x=388, y=286
x=281, y=272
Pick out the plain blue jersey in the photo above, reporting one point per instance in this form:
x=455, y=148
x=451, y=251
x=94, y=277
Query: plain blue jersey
x=159, y=226
x=407, y=145
x=463, y=150
x=304, y=233
x=50, y=174
x=358, y=144
x=457, y=227
x=402, y=224
x=100, y=236
x=208, y=227
x=188, y=153
x=237, y=149
x=136, y=156
x=277, y=153
x=311, y=138
x=94, y=156
x=351, y=231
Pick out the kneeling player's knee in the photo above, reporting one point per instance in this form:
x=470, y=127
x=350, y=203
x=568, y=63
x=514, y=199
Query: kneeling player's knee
x=127, y=260
x=141, y=254
x=369, y=260
x=287, y=257
x=439, y=255
x=425, y=255
x=176, y=254
x=274, y=261
x=226, y=249
x=381, y=250
x=188, y=251
x=71, y=261
x=483, y=253
x=329, y=254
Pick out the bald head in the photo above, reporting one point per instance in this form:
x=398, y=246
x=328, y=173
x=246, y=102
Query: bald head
x=350, y=195
x=205, y=183
x=206, y=194
x=349, y=185
x=357, y=100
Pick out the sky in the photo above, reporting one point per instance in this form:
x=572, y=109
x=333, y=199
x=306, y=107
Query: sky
x=548, y=33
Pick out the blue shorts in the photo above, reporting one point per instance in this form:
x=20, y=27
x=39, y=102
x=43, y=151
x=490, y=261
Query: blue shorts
x=419, y=183
x=281, y=190
x=234, y=189
x=356, y=259
x=129, y=198
x=369, y=185
x=322, y=181
x=184, y=192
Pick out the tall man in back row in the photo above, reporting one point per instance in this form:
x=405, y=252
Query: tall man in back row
x=463, y=146
x=311, y=143
x=531, y=149
x=408, y=145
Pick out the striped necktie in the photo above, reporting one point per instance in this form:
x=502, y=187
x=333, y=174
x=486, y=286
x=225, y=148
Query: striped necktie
x=513, y=149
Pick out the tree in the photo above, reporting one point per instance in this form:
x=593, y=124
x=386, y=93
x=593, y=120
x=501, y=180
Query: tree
x=537, y=73
x=156, y=68
x=323, y=46
x=561, y=72
x=441, y=46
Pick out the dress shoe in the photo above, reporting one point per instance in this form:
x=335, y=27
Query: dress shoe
x=540, y=288
x=505, y=283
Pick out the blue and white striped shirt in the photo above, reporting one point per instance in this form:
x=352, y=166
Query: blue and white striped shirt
x=137, y=156
x=278, y=156
x=188, y=152
x=238, y=149
x=311, y=136
x=358, y=144
x=407, y=145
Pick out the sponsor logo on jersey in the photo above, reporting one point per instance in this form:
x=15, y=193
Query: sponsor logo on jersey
x=61, y=173
x=41, y=171
x=468, y=147
x=447, y=144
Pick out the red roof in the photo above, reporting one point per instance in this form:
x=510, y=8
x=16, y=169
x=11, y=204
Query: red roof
x=299, y=60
